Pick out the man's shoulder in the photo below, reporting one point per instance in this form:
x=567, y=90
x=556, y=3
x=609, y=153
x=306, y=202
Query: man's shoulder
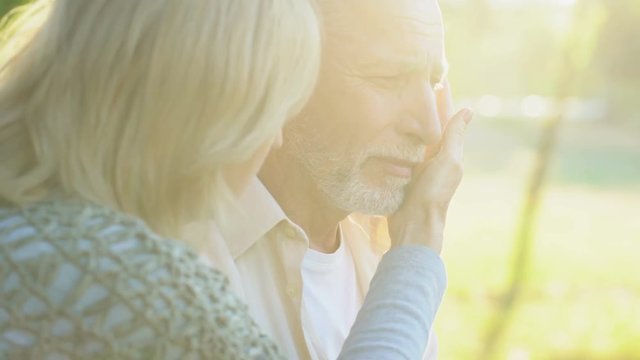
x=256, y=214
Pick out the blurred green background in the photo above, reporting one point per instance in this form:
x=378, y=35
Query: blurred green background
x=567, y=71
x=7, y=5
x=526, y=65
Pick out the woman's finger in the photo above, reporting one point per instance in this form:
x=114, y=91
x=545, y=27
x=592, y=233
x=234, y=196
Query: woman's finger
x=444, y=102
x=453, y=138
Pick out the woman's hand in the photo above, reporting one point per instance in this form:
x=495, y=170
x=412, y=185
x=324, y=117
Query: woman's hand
x=421, y=218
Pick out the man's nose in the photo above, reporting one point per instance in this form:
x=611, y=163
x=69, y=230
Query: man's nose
x=420, y=120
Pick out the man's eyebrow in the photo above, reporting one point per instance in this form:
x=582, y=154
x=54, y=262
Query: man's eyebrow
x=430, y=30
x=405, y=64
x=425, y=64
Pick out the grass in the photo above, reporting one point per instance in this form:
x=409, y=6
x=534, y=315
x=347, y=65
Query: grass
x=580, y=299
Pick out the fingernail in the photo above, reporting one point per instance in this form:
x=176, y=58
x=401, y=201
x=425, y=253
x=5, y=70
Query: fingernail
x=467, y=115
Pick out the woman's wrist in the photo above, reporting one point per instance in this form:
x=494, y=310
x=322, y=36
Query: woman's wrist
x=428, y=232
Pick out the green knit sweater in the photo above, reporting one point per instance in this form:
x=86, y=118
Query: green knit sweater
x=79, y=281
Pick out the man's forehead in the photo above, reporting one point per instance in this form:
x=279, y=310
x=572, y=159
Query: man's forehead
x=397, y=17
x=386, y=32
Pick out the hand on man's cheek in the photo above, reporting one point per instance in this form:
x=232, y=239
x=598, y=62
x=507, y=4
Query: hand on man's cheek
x=444, y=102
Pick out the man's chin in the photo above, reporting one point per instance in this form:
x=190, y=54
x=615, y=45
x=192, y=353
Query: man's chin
x=381, y=195
x=381, y=203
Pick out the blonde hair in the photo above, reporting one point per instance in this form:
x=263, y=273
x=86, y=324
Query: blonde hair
x=139, y=104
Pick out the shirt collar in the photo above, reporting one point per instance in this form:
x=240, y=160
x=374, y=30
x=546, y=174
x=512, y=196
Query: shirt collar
x=258, y=212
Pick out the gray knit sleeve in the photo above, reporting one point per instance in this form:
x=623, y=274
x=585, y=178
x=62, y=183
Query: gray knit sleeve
x=398, y=311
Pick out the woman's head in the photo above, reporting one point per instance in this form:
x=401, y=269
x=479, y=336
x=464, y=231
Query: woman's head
x=141, y=104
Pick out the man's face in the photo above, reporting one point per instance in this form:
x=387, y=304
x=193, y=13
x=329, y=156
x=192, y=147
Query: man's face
x=373, y=115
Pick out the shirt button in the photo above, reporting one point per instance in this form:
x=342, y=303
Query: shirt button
x=291, y=291
x=290, y=232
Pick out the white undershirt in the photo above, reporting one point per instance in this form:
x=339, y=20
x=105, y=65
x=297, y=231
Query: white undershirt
x=331, y=298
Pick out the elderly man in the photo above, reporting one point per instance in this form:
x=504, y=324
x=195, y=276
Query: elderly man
x=303, y=265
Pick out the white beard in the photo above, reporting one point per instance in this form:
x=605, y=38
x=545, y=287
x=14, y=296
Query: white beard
x=341, y=178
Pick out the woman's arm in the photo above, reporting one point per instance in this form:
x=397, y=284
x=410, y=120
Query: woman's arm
x=398, y=312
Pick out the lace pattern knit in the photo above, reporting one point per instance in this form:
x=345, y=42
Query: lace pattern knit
x=82, y=281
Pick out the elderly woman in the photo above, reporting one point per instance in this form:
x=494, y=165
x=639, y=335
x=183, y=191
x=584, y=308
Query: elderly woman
x=121, y=121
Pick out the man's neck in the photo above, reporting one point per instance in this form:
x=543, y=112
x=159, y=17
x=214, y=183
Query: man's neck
x=298, y=196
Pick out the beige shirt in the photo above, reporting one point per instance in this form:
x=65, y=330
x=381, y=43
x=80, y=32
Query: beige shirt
x=262, y=256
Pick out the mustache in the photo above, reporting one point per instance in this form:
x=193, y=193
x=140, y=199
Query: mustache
x=405, y=153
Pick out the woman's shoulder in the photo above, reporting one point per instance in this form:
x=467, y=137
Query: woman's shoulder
x=95, y=241
x=113, y=283
x=71, y=228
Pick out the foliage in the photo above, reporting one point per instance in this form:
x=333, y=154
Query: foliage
x=7, y=5
x=512, y=50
